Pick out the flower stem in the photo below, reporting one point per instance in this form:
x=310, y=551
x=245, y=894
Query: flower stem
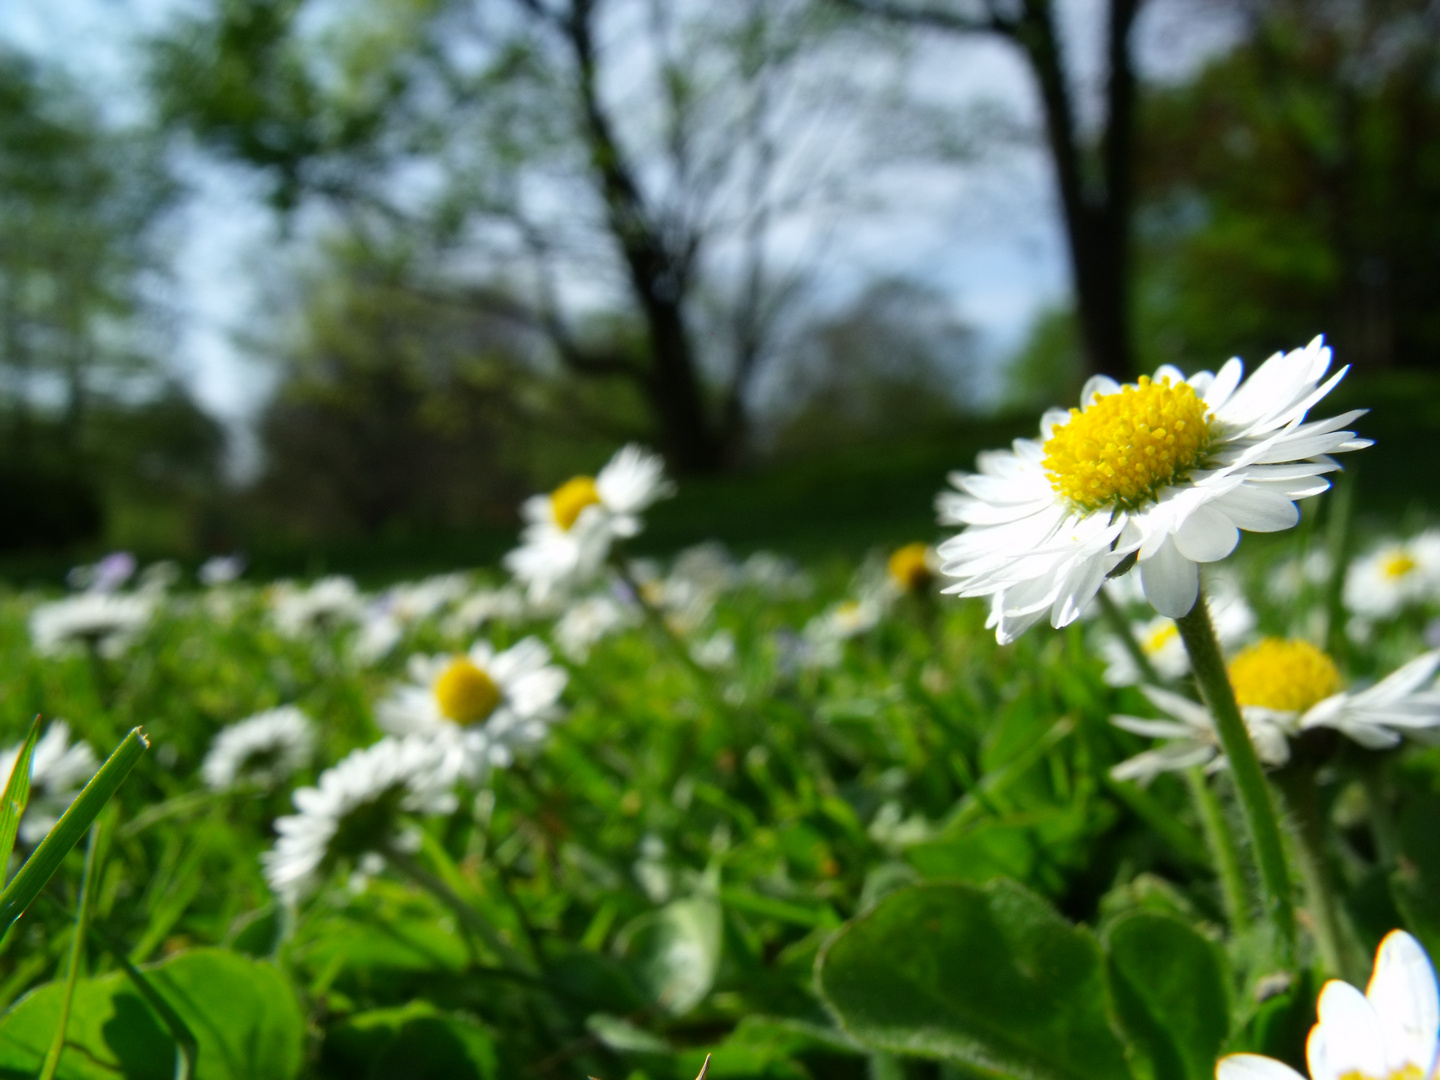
x=1297, y=782
x=1223, y=849
x=1198, y=634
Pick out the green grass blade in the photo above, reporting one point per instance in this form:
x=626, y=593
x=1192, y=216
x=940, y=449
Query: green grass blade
x=17, y=795
x=46, y=858
x=77, y=948
x=187, y=1047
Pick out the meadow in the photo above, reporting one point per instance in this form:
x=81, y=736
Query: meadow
x=807, y=817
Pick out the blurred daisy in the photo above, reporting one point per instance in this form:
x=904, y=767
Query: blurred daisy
x=1286, y=687
x=58, y=771
x=1394, y=576
x=356, y=811
x=107, y=575
x=1159, y=640
x=1390, y=1032
x=775, y=575
x=263, y=750
x=104, y=621
x=569, y=532
x=1163, y=473
x=912, y=568
x=481, y=607
x=589, y=620
x=480, y=707
x=330, y=602
x=825, y=635
x=221, y=570
x=715, y=652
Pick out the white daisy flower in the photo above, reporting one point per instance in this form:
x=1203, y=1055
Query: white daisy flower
x=265, y=749
x=1284, y=688
x=481, y=707
x=568, y=533
x=483, y=606
x=824, y=636
x=299, y=611
x=775, y=575
x=1159, y=640
x=379, y=633
x=1390, y=1032
x=357, y=809
x=1394, y=576
x=107, y=575
x=715, y=652
x=913, y=568
x=58, y=771
x=589, y=620
x=106, y=621
x=221, y=570
x=1163, y=473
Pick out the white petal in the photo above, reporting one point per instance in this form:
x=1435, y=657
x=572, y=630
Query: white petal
x=1206, y=535
x=1171, y=581
x=1254, y=1066
x=1348, y=1037
x=1257, y=510
x=1403, y=992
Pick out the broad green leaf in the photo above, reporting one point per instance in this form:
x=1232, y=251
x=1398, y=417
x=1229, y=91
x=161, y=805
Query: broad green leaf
x=73, y=824
x=674, y=952
x=1169, y=986
x=243, y=1013
x=17, y=795
x=989, y=977
x=413, y=1042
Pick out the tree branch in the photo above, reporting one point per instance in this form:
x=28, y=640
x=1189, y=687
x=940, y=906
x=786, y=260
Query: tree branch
x=992, y=22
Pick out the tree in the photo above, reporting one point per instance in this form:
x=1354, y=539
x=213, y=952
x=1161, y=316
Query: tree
x=1093, y=168
x=1293, y=185
x=502, y=130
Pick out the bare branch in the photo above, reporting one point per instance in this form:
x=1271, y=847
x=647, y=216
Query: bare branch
x=992, y=22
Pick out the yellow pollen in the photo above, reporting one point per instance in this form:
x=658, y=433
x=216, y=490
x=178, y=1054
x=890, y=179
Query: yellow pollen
x=465, y=693
x=1285, y=675
x=1158, y=639
x=1405, y=1072
x=1127, y=446
x=1398, y=565
x=910, y=567
x=571, y=497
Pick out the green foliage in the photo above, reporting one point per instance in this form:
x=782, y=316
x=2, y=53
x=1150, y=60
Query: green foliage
x=17, y=793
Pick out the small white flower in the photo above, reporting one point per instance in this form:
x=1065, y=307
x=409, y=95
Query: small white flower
x=589, y=620
x=104, y=620
x=481, y=707
x=483, y=606
x=569, y=532
x=265, y=749
x=1159, y=640
x=715, y=652
x=57, y=773
x=379, y=633
x=825, y=635
x=1394, y=576
x=1191, y=739
x=775, y=575
x=107, y=575
x=1294, y=576
x=1164, y=473
x=1390, y=1032
x=356, y=809
x=221, y=570
x=299, y=611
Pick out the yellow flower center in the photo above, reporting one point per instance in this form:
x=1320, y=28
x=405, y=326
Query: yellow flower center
x=1157, y=639
x=1127, y=446
x=910, y=567
x=1288, y=676
x=465, y=693
x=1405, y=1072
x=571, y=497
x=1398, y=565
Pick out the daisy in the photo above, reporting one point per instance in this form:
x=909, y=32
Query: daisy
x=825, y=635
x=104, y=621
x=1390, y=1032
x=58, y=771
x=1159, y=640
x=221, y=570
x=480, y=707
x=1394, y=576
x=356, y=811
x=106, y=576
x=587, y=621
x=1161, y=474
x=330, y=602
x=264, y=750
x=1287, y=687
x=912, y=568
x=568, y=533
x=483, y=606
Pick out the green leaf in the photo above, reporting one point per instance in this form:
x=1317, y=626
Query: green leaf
x=413, y=1042
x=17, y=795
x=987, y=977
x=243, y=1013
x=1169, y=985
x=78, y=817
x=674, y=952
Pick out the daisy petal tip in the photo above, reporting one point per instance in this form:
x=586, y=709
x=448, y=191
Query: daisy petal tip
x=1253, y=1067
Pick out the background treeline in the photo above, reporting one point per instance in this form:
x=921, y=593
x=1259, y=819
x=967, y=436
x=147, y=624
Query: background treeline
x=519, y=231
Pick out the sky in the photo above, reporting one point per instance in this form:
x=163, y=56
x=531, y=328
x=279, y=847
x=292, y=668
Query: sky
x=986, y=234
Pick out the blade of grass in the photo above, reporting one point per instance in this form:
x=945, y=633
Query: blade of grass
x=77, y=949
x=80, y=815
x=17, y=795
x=187, y=1047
